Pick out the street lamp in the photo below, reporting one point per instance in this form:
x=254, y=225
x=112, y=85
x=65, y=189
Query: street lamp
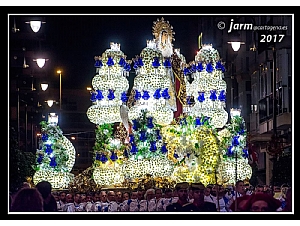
x=59, y=72
x=40, y=62
x=44, y=86
x=35, y=25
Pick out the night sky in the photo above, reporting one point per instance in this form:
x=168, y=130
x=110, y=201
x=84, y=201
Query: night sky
x=74, y=40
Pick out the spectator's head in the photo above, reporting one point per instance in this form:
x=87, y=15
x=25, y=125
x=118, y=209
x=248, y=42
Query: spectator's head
x=150, y=194
x=168, y=193
x=111, y=196
x=45, y=188
x=182, y=190
x=241, y=201
x=197, y=191
x=27, y=200
x=261, y=203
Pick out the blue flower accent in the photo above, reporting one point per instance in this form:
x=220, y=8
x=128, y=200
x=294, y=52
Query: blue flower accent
x=153, y=147
x=156, y=94
x=201, y=97
x=205, y=120
x=98, y=63
x=136, y=64
x=103, y=158
x=183, y=121
x=158, y=136
x=135, y=125
x=137, y=95
x=124, y=97
x=235, y=141
x=93, y=97
x=111, y=94
x=146, y=95
x=193, y=68
x=98, y=156
x=186, y=71
x=134, y=149
x=222, y=96
x=113, y=156
x=143, y=136
x=167, y=63
x=198, y=121
x=164, y=149
x=230, y=152
x=49, y=149
x=122, y=62
x=176, y=156
x=99, y=95
x=213, y=95
x=199, y=67
x=131, y=138
x=127, y=67
x=245, y=153
x=165, y=94
x=110, y=62
x=53, y=163
x=188, y=100
x=150, y=123
x=40, y=158
x=209, y=68
x=220, y=66
x=140, y=62
x=44, y=137
x=155, y=62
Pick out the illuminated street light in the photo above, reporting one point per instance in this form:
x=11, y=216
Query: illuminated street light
x=59, y=72
x=50, y=102
x=40, y=62
x=44, y=86
x=35, y=25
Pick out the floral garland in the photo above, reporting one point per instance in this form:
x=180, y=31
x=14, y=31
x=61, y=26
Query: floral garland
x=106, y=147
x=51, y=154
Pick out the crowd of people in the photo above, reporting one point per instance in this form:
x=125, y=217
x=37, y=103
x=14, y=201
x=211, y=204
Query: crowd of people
x=185, y=197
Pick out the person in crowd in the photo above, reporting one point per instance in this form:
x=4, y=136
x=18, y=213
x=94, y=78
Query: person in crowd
x=166, y=200
x=45, y=188
x=276, y=192
x=119, y=197
x=77, y=199
x=102, y=203
x=62, y=201
x=89, y=202
x=208, y=197
x=55, y=195
x=199, y=205
x=288, y=201
x=218, y=193
x=27, y=200
x=239, y=191
x=132, y=204
x=112, y=205
x=261, y=202
x=237, y=205
x=158, y=194
x=259, y=189
x=182, y=205
x=282, y=196
x=69, y=206
x=248, y=189
x=125, y=196
x=149, y=203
